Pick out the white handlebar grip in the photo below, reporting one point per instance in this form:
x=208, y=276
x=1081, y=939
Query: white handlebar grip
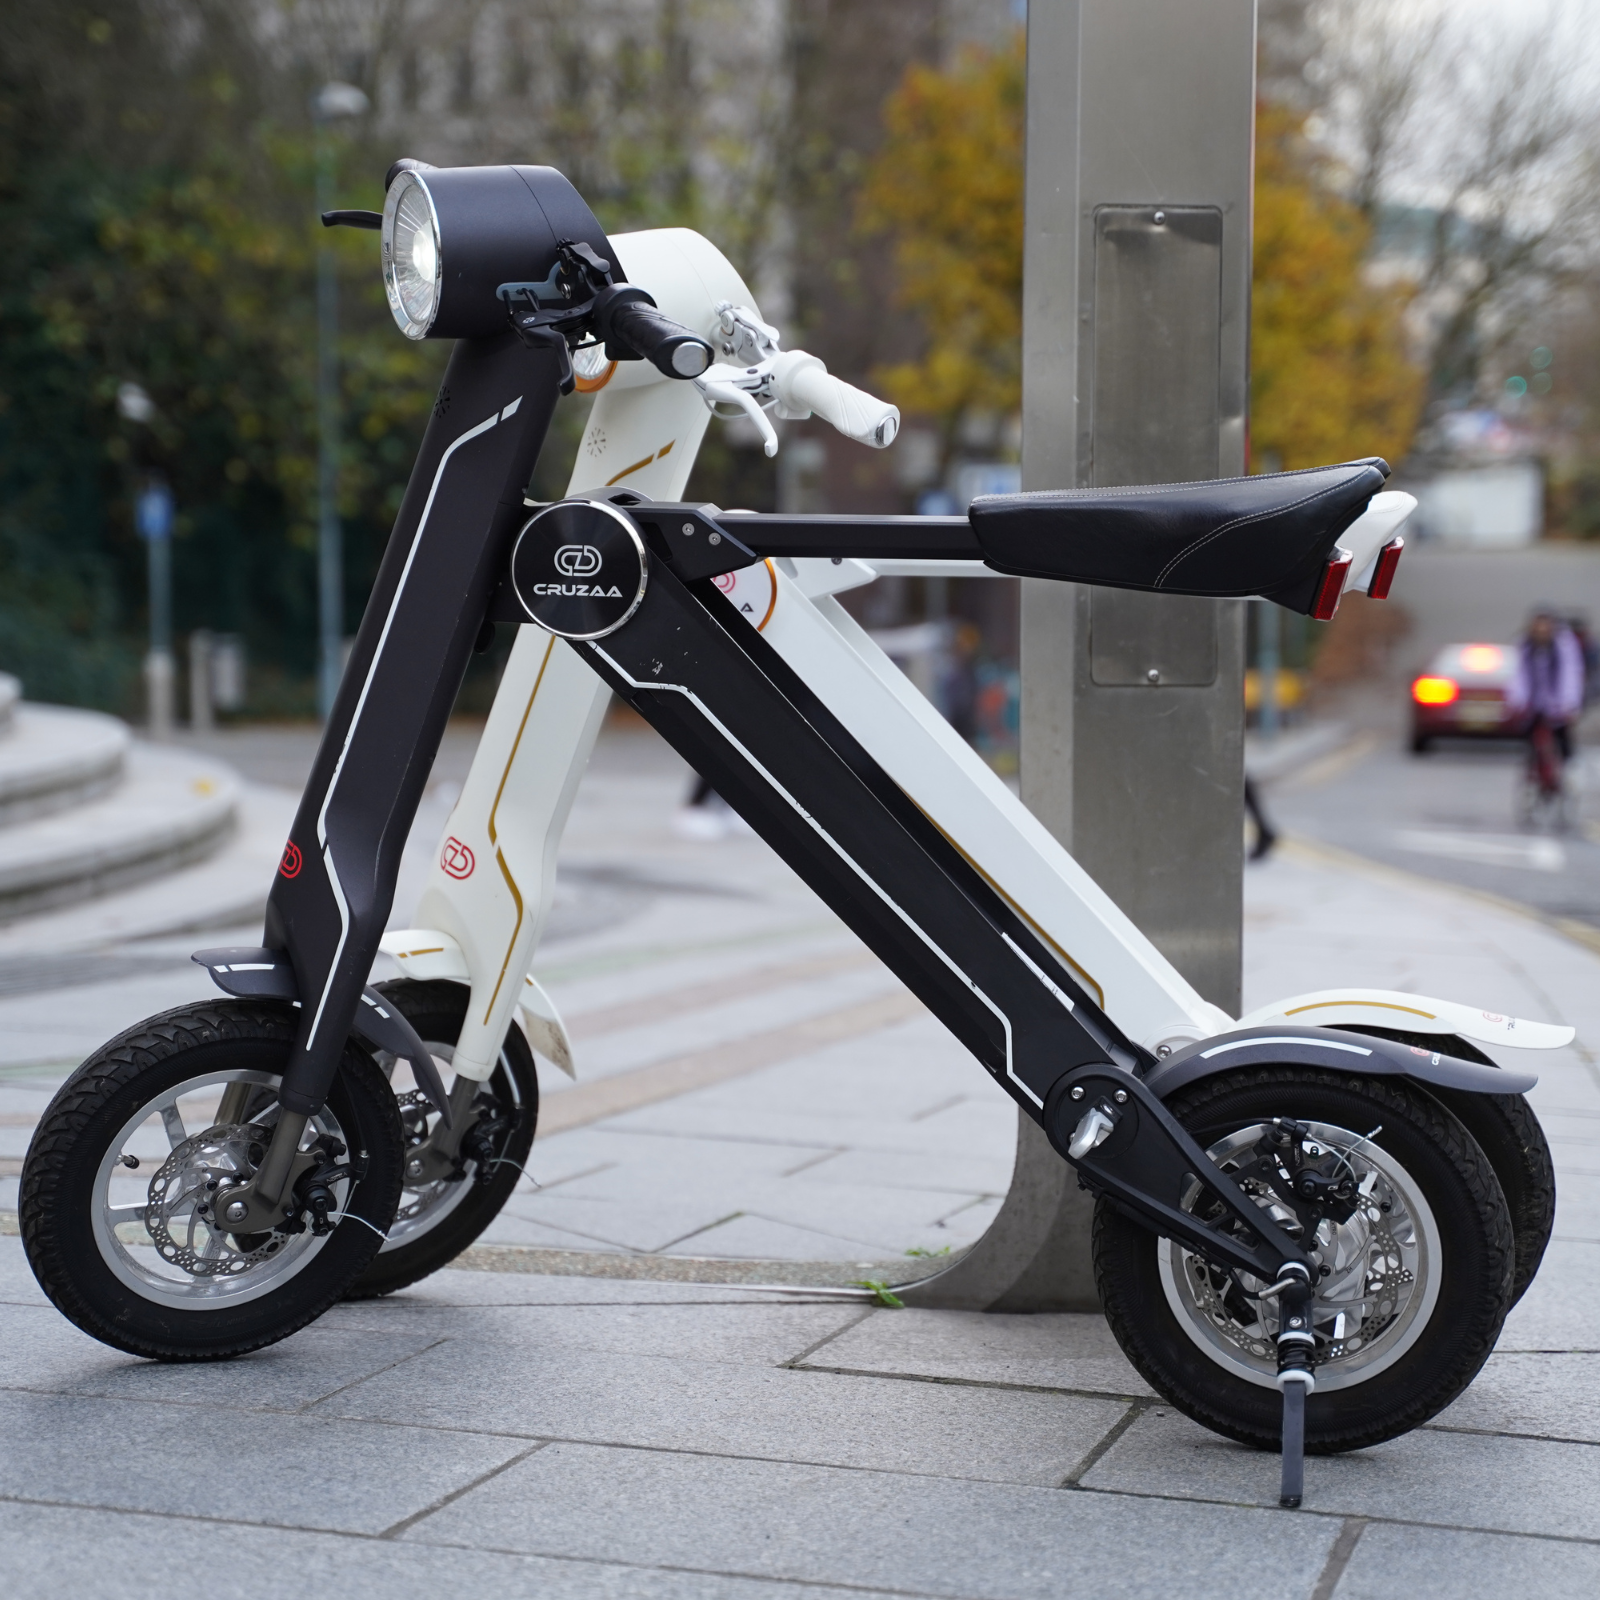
x=804, y=384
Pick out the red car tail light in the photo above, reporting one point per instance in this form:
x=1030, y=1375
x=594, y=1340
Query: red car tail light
x=1383, y=574
x=1333, y=576
x=1435, y=691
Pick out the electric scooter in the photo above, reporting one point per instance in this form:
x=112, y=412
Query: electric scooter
x=1284, y=1210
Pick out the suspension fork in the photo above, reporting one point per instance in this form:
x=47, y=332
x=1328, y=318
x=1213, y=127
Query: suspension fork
x=335, y=886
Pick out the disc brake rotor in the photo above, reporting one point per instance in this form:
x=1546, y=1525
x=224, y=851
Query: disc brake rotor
x=184, y=1196
x=1375, y=1271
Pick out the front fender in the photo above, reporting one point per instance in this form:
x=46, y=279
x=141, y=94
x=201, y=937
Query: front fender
x=1359, y=1054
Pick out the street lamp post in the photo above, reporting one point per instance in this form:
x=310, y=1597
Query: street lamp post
x=331, y=103
x=153, y=514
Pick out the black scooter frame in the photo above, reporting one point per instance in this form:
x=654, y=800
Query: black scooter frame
x=729, y=704
x=331, y=898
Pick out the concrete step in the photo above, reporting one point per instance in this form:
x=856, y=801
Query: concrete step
x=228, y=890
x=170, y=810
x=53, y=758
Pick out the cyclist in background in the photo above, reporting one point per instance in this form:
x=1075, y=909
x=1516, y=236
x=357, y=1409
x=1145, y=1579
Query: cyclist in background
x=1547, y=688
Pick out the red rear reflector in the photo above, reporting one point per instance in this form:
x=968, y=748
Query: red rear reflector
x=1435, y=691
x=1333, y=576
x=1383, y=574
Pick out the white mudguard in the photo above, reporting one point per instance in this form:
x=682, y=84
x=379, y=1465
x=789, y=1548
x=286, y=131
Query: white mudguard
x=1409, y=1013
x=424, y=953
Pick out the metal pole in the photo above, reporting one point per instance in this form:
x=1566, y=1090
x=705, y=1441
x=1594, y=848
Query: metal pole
x=1136, y=279
x=153, y=517
x=330, y=537
x=1268, y=657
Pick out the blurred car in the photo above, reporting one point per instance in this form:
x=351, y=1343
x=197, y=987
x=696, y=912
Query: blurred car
x=1462, y=695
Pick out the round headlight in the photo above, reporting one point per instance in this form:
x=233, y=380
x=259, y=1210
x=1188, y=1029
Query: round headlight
x=413, y=263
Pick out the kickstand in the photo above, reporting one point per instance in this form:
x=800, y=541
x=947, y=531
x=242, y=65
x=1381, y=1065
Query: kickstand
x=1293, y=1484
x=1296, y=1345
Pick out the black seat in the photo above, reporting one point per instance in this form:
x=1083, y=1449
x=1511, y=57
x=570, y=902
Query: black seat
x=1269, y=535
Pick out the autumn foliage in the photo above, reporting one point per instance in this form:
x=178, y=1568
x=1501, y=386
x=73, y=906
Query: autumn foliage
x=1329, y=375
x=1330, y=379
x=947, y=188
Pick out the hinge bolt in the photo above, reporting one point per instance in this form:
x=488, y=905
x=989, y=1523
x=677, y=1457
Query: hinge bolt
x=1121, y=1097
x=1077, y=1093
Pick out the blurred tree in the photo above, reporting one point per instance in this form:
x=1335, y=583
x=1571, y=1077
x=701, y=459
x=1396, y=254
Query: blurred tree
x=156, y=182
x=947, y=187
x=1329, y=375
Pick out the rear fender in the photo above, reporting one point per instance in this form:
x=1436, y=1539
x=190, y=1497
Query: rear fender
x=1408, y=1013
x=1359, y=1054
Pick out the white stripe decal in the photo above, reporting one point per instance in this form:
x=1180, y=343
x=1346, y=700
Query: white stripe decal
x=835, y=846
x=1038, y=972
x=1246, y=1044
x=355, y=720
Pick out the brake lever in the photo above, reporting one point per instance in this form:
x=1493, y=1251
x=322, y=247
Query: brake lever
x=721, y=385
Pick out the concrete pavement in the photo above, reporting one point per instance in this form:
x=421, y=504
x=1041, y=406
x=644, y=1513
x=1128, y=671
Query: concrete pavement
x=580, y=1435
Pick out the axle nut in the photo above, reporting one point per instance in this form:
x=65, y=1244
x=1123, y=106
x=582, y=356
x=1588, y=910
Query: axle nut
x=237, y=1212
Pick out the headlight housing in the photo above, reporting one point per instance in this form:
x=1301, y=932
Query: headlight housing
x=452, y=236
x=413, y=255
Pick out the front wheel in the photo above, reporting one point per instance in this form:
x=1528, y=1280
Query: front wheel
x=445, y=1206
x=127, y=1176
x=1414, y=1275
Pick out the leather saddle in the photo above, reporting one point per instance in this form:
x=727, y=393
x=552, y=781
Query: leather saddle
x=1270, y=535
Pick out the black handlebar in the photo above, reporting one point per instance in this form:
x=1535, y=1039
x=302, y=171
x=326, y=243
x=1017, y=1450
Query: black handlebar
x=626, y=318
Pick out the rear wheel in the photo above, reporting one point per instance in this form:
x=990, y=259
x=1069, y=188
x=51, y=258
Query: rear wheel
x=1412, y=1285
x=443, y=1209
x=1509, y=1133
x=129, y=1171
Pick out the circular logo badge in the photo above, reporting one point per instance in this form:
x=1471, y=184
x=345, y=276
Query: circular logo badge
x=289, y=866
x=579, y=568
x=456, y=858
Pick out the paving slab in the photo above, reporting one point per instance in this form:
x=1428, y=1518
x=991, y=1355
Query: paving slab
x=41, y=1351
x=1545, y=1395
x=917, y=1535
x=1425, y=1563
x=761, y=1333
x=52, y=1551
x=876, y=1424
x=1483, y=1481
x=1047, y=1351
x=303, y=1471
x=1559, y=1310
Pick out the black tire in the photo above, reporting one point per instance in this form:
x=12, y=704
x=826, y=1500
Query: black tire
x=1509, y=1133
x=1421, y=744
x=1476, y=1251
x=436, y=1010
x=59, y=1197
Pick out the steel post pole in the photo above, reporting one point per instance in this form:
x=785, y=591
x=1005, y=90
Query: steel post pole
x=1136, y=280
x=330, y=538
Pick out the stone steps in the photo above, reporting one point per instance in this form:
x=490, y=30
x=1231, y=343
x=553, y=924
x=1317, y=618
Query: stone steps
x=53, y=758
x=87, y=812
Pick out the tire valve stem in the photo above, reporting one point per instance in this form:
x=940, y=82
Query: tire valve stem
x=1295, y=1380
x=130, y=1162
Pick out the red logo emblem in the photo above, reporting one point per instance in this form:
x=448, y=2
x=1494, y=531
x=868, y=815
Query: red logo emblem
x=290, y=865
x=456, y=858
x=726, y=581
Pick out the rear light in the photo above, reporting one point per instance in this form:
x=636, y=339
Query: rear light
x=1333, y=576
x=1383, y=573
x=1435, y=691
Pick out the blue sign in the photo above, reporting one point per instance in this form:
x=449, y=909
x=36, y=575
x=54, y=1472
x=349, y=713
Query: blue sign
x=152, y=512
